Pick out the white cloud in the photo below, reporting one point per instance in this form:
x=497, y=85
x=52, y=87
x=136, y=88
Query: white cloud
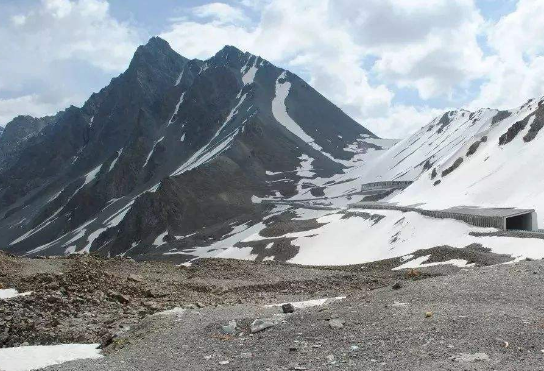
x=202, y=40
x=430, y=47
x=403, y=120
x=52, y=35
x=58, y=8
x=360, y=54
x=517, y=73
x=220, y=12
x=18, y=20
x=32, y=105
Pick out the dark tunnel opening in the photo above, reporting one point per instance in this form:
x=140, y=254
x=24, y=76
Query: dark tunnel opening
x=523, y=222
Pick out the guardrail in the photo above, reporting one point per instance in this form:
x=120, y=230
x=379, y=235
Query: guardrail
x=475, y=220
x=387, y=184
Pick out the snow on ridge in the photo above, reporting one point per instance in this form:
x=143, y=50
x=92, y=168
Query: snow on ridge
x=210, y=150
x=181, y=99
x=357, y=239
x=39, y=227
x=493, y=175
x=159, y=240
x=249, y=74
x=89, y=177
x=152, y=189
x=118, y=216
x=180, y=77
x=420, y=263
x=305, y=170
x=224, y=248
x=434, y=142
x=90, y=239
x=279, y=111
x=152, y=151
x=54, y=197
x=114, y=162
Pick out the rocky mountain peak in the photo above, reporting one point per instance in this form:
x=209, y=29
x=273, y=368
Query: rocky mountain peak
x=22, y=126
x=135, y=162
x=157, y=57
x=17, y=132
x=230, y=56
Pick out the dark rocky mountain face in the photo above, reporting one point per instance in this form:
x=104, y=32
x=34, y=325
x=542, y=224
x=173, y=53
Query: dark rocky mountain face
x=171, y=148
x=16, y=133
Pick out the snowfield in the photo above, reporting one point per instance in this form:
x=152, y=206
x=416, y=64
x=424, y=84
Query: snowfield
x=507, y=175
x=359, y=239
x=483, y=178
x=12, y=293
x=33, y=357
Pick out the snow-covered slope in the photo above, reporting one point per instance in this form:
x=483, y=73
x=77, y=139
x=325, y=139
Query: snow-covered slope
x=340, y=237
x=500, y=166
x=497, y=163
x=180, y=159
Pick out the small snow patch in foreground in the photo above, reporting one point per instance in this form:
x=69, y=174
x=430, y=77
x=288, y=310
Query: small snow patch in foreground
x=309, y=303
x=418, y=263
x=34, y=357
x=12, y=293
x=177, y=311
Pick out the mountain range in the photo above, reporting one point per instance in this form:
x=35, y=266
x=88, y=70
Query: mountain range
x=232, y=156
x=170, y=147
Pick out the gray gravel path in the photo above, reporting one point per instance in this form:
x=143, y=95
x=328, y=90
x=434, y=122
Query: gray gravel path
x=489, y=318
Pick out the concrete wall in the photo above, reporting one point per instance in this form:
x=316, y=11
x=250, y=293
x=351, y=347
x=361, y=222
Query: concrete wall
x=498, y=222
x=386, y=184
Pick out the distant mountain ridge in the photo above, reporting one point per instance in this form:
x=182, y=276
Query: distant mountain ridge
x=171, y=147
x=16, y=133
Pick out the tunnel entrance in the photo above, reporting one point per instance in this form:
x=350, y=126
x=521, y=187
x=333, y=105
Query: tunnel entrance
x=523, y=222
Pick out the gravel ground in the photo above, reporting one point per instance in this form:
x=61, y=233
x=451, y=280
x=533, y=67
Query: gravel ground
x=488, y=318
x=88, y=299
x=440, y=318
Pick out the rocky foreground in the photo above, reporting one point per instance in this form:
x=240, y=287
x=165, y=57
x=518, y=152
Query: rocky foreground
x=214, y=315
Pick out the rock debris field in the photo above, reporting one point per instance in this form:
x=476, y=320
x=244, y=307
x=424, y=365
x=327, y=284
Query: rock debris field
x=237, y=315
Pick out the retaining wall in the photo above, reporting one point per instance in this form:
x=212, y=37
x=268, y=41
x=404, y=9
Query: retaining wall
x=387, y=184
x=475, y=220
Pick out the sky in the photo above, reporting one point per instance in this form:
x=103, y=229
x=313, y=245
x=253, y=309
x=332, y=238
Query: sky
x=392, y=65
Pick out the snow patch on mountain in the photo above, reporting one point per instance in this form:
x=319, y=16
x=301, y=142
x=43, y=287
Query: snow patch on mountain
x=359, y=239
x=159, y=240
x=213, y=148
x=420, y=263
x=176, y=110
x=250, y=72
x=152, y=151
x=481, y=171
x=114, y=162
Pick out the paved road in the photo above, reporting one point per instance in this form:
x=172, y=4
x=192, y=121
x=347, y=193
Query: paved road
x=489, y=318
